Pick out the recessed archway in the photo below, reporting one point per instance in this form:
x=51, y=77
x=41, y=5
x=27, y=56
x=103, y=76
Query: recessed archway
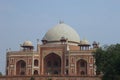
x=35, y=72
x=21, y=67
x=81, y=67
x=52, y=64
x=36, y=62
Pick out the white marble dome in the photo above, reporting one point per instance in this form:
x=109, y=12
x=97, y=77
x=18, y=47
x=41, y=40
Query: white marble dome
x=62, y=30
x=27, y=43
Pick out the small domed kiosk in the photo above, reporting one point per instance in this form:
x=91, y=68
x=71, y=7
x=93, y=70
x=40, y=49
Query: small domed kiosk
x=84, y=44
x=27, y=46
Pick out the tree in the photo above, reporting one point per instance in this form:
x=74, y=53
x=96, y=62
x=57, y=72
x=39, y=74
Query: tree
x=108, y=62
x=32, y=78
x=0, y=73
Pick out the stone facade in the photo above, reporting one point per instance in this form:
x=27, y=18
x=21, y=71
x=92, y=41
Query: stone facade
x=51, y=59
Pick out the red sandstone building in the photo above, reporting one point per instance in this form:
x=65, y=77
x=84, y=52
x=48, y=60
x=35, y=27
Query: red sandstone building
x=61, y=53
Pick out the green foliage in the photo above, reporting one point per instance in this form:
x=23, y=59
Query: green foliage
x=108, y=62
x=0, y=74
x=32, y=78
x=49, y=79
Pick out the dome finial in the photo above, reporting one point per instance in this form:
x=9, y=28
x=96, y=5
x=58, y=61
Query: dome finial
x=60, y=22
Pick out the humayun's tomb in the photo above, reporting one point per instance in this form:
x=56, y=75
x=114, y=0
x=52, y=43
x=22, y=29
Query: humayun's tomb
x=60, y=56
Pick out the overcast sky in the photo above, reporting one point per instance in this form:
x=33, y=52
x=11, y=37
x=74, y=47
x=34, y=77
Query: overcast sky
x=20, y=20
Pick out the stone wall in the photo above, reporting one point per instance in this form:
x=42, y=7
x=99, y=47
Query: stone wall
x=50, y=77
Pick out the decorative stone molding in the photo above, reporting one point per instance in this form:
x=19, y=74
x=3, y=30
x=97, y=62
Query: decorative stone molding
x=45, y=53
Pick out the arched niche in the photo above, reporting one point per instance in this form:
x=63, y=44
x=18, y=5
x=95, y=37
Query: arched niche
x=81, y=67
x=52, y=64
x=21, y=67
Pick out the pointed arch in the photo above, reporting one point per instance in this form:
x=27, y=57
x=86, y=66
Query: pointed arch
x=21, y=67
x=36, y=62
x=52, y=64
x=81, y=67
x=35, y=72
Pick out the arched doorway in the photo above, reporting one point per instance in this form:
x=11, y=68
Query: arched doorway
x=81, y=67
x=21, y=68
x=35, y=72
x=52, y=64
